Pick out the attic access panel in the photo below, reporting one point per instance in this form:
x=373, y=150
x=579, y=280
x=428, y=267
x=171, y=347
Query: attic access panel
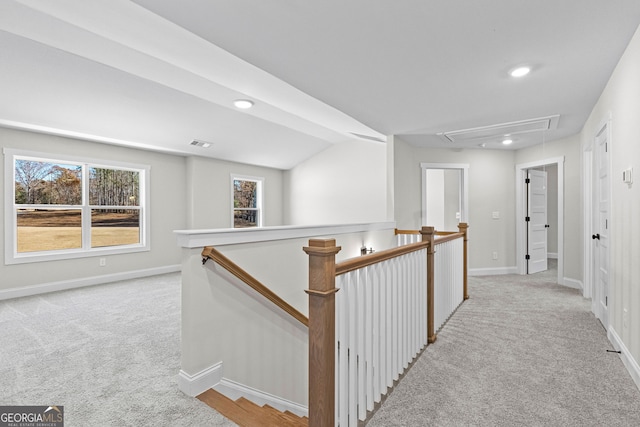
x=484, y=133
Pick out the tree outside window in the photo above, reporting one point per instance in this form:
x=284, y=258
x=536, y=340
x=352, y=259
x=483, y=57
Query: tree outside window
x=247, y=202
x=69, y=208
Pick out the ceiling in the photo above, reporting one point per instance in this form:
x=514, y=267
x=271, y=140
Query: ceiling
x=158, y=74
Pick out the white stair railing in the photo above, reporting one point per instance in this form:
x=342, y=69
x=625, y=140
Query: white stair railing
x=370, y=316
x=406, y=237
x=381, y=325
x=448, y=279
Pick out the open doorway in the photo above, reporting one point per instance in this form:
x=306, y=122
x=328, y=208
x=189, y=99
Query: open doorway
x=554, y=249
x=445, y=195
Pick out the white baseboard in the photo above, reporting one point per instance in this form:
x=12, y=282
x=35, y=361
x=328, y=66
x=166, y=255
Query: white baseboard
x=234, y=390
x=193, y=385
x=492, y=271
x=552, y=255
x=572, y=283
x=85, y=281
x=627, y=359
x=212, y=377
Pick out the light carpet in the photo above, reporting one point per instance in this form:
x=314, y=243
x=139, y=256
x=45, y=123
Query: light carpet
x=522, y=351
x=109, y=354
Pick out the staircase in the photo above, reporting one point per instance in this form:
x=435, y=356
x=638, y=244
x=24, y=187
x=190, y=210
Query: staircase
x=245, y=413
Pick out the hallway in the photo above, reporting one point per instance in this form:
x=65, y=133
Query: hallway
x=521, y=351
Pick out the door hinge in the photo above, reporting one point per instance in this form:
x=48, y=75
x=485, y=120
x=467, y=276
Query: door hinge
x=526, y=218
x=527, y=181
x=527, y=256
x=606, y=301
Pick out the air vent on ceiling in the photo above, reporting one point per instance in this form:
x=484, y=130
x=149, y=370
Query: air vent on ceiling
x=202, y=144
x=500, y=130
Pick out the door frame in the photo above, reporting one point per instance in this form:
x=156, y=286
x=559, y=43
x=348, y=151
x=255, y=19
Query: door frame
x=521, y=207
x=463, y=192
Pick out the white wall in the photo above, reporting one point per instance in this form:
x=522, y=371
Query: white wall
x=192, y=192
x=491, y=189
x=167, y=214
x=209, y=192
x=346, y=183
x=621, y=100
x=435, y=198
x=452, y=198
x=226, y=324
x=443, y=198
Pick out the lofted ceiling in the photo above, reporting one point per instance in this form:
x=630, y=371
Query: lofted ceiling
x=158, y=74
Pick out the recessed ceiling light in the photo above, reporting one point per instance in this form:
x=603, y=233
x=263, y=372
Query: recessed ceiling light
x=520, y=71
x=507, y=141
x=243, y=103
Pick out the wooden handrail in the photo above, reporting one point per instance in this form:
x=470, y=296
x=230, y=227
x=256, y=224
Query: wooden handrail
x=323, y=271
x=209, y=252
x=442, y=238
x=376, y=257
x=406, y=231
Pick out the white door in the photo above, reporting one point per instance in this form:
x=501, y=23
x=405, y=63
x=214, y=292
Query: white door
x=537, y=221
x=601, y=228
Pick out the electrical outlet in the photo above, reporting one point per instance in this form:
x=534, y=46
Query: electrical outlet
x=495, y=255
x=103, y=262
x=495, y=215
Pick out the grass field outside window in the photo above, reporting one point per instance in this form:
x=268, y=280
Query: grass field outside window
x=61, y=207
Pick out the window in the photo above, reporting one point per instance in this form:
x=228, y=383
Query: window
x=247, y=201
x=60, y=207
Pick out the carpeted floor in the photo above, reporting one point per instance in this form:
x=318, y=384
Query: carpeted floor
x=109, y=354
x=521, y=352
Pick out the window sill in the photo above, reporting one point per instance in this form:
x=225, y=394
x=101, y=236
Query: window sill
x=31, y=257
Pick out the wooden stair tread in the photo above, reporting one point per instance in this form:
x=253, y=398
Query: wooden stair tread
x=304, y=419
x=264, y=417
x=245, y=413
x=226, y=407
x=286, y=417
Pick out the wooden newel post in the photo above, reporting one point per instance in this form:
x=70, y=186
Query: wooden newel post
x=428, y=234
x=463, y=227
x=322, y=307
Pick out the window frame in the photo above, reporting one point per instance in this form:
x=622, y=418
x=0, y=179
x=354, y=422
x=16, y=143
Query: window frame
x=259, y=199
x=12, y=256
